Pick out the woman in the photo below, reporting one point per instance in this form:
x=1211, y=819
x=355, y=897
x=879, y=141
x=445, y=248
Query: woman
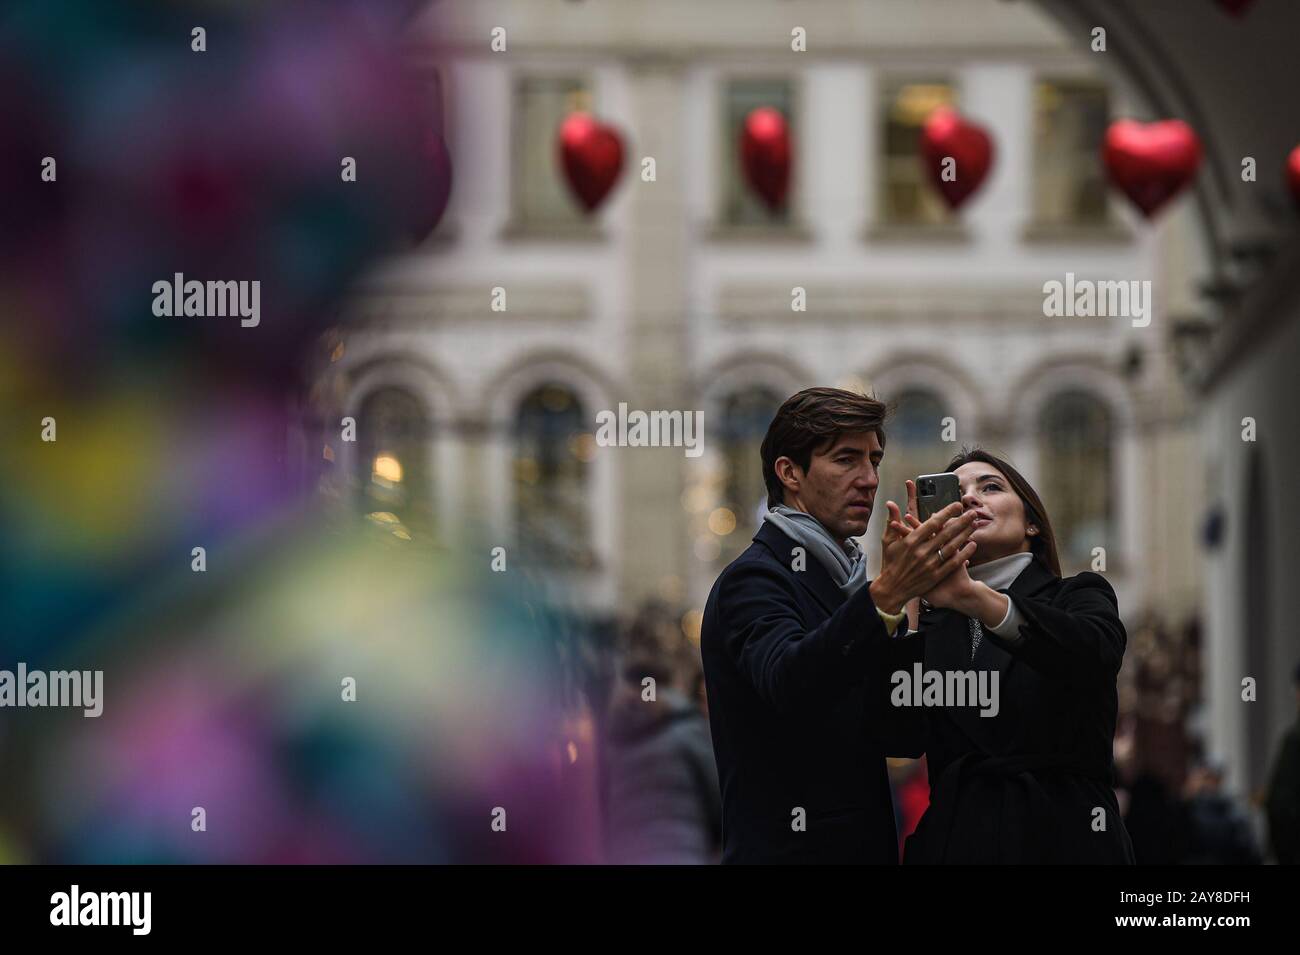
x=1030, y=783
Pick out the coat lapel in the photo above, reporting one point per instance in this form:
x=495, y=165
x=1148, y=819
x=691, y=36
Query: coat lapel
x=815, y=578
x=947, y=643
x=989, y=656
x=1030, y=581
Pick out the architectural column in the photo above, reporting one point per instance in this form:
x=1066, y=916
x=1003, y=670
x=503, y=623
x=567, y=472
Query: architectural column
x=651, y=479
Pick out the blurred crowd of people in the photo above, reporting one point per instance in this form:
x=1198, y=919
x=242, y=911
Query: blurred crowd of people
x=659, y=786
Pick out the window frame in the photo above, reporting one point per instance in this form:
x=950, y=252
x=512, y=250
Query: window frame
x=520, y=224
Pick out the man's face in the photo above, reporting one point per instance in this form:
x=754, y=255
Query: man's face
x=839, y=487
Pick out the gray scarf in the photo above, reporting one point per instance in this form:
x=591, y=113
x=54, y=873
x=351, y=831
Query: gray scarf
x=848, y=571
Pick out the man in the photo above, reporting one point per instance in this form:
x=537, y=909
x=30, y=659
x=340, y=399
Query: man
x=796, y=642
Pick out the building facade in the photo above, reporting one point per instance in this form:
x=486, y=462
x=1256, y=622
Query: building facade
x=522, y=317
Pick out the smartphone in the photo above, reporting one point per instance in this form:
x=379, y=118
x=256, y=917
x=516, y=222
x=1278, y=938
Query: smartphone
x=934, y=492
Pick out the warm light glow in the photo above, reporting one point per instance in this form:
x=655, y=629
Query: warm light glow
x=527, y=470
x=577, y=101
x=573, y=751
x=691, y=621
x=583, y=446
x=556, y=399
x=388, y=468
x=918, y=101
x=722, y=521
x=707, y=549
x=670, y=588
x=697, y=498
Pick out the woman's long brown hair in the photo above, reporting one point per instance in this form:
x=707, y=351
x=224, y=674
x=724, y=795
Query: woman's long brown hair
x=1042, y=544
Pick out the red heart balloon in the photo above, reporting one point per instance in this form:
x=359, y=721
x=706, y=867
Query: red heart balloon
x=765, y=154
x=946, y=135
x=592, y=156
x=1236, y=7
x=1151, y=162
x=1293, y=174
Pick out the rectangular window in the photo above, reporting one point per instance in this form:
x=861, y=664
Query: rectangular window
x=907, y=198
x=541, y=196
x=741, y=206
x=1070, y=119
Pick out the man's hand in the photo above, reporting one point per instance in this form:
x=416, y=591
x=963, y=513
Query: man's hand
x=913, y=560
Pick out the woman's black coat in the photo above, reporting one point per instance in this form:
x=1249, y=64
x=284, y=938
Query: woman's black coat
x=1034, y=782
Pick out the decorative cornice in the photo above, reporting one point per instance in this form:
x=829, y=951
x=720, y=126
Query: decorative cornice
x=750, y=304
x=379, y=308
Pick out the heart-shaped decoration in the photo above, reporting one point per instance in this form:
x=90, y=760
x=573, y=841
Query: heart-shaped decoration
x=765, y=155
x=592, y=157
x=1293, y=174
x=958, y=155
x=1151, y=162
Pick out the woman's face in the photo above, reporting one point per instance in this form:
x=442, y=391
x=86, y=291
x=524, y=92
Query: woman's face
x=1000, y=528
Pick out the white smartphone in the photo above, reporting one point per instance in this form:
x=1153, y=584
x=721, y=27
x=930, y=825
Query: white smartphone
x=934, y=492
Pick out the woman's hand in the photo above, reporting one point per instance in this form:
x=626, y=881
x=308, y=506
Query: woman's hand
x=969, y=597
x=955, y=591
x=912, y=559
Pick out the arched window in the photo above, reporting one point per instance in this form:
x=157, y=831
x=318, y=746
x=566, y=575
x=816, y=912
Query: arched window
x=394, y=482
x=1075, y=436
x=741, y=495
x=554, y=446
x=913, y=444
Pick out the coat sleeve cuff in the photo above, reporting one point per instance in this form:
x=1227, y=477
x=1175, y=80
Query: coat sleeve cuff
x=1009, y=629
x=892, y=621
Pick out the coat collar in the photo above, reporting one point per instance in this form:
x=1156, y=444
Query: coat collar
x=815, y=578
x=1032, y=579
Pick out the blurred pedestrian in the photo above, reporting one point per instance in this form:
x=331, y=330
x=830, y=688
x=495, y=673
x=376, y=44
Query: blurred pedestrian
x=1283, y=800
x=663, y=801
x=1219, y=832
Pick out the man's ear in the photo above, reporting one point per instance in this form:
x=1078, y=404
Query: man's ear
x=787, y=472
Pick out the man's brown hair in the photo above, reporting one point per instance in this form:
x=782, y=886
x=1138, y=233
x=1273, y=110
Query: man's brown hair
x=811, y=421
